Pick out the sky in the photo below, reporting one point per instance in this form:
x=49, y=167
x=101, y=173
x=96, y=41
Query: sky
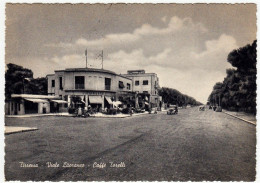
x=185, y=45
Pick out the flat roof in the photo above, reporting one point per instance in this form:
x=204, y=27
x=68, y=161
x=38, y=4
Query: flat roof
x=91, y=70
x=86, y=70
x=139, y=74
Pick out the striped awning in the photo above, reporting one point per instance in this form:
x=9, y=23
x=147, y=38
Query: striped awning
x=116, y=103
x=95, y=99
x=60, y=101
x=36, y=100
x=109, y=100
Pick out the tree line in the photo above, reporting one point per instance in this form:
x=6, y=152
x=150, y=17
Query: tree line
x=174, y=97
x=238, y=90
x=19, y=80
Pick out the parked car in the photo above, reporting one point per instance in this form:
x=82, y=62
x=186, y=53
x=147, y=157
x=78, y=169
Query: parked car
x=202, y=108
x=173, y=109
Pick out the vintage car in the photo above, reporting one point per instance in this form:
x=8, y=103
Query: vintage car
x=202, y=108
x=173, y=109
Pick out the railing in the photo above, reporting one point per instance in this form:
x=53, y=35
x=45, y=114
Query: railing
x=79, y=86
x=107, y=87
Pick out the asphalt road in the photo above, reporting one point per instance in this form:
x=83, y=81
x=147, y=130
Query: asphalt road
x=193, y=145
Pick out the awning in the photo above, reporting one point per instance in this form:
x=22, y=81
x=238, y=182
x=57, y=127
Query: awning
x=109, y=100
x=60, y=101
x=116, y=103
x=95, y=100
x=36, y=100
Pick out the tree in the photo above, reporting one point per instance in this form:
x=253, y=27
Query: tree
x=173, y=96
x=238, y=90
x=20, y=80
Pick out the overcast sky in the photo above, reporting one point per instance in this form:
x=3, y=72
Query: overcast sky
x=186, y=45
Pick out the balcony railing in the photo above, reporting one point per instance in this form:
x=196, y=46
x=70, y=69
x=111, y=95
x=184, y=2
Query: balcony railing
x=107, y=87
x=79, y=86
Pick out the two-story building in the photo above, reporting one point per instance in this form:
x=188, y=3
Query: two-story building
x=145, y=83
x=95, y=87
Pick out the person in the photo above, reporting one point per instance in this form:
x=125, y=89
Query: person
x=131, y=111
x=79, y=111
x=176, y=109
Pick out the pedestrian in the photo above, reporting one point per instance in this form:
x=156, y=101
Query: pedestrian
x=79, y=111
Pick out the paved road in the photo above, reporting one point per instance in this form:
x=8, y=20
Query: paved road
x=192, y=145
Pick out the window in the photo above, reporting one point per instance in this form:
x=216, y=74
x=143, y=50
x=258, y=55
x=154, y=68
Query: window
x=145, y=82
x=79, y=82
x=18, y=106
x=53, y=83
x=61, y=88
x=121, y=84
x=128, y=86
x=107, y=83
x=136, y=83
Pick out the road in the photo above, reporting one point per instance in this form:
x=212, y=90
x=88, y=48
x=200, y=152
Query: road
x=193, y=145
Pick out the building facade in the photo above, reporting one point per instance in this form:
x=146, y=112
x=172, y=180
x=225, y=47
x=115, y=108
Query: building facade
x=95, y=87
x=32, y=104
x=145, y=83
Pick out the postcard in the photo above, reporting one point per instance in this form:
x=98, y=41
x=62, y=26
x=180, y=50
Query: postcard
x=130, y=92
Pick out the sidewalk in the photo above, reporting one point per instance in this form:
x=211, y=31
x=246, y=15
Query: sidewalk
x=17, y=129
x=38, y=115
x=97, y=115
x=249, y=118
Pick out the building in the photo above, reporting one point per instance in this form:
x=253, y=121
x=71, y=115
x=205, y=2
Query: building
x=145, y=83
x=32, y=104
x=89, y=86
x=84, y=87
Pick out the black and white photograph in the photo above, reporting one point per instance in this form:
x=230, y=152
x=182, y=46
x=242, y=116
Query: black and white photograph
x=130, y=92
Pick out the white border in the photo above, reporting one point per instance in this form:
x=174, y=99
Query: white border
x=2, y=57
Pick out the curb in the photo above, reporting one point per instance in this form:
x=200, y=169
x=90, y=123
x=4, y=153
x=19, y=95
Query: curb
x=30, y=116
x=59, y=115
x=9, y=133
x=240, y=118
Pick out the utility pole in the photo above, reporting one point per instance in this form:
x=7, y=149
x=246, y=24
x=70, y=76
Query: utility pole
x=102, y=58
x=86, y=54
x=23, y=87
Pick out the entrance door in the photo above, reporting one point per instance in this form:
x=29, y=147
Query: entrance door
x=15, y=108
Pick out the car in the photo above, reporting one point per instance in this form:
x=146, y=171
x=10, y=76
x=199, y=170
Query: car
x=173, y=109
x=202, y=108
